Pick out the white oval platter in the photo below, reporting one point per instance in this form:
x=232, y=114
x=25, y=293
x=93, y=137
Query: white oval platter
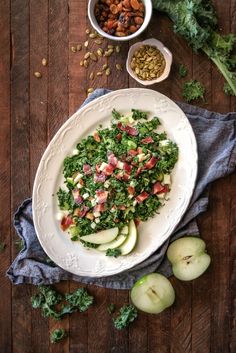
x=72, y=256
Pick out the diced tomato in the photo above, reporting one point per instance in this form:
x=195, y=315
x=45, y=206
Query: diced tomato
x=158, y=188
x=112, y=160
x=122, y=208
x=126, y=176
x=97, y=167
x=143, y=196
x=151, y=163
x=96, y=136
x=87, y=169
x=66, y=222
x=77, y=197
x=119, y=136
x=131, y=190
x=140, y=150
x=108, y=170
x=101, y=196
x=127, y=168
x=133, y=153
x=99, y=208
x=148, y=139
x=99, y=178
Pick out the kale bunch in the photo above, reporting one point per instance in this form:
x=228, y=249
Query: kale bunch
x=196, y=21
x=55, y=305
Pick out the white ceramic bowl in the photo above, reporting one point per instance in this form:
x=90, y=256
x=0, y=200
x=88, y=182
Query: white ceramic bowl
x=166, y=53
x=93, y=21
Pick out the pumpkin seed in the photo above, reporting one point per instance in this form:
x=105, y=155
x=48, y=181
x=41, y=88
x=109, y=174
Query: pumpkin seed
x=93, y=35
x=37, y=74
x=118, y=67
x=108, y=71
x=99, y=73
x=87, y=31
x=93, y=57
x=81, y=63
x=98, y=41
x=91, y=76
x=100, y=52
x=117, y=48
x=73, y=49
x=87, y=55
x=79, y=47
x=86, y=63
x=44, y=62
x=90, y=90
x=104, y=67
x=86, y=44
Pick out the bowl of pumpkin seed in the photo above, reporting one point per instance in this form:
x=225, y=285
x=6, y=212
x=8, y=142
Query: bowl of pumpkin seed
x=149, y=62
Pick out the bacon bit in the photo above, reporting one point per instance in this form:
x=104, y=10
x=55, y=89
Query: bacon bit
x=139, y=170
x=122, y=208
x=127, y=168
x=87, y=169
x=96, y=137
x=143, y=196
x=90, y=216
x=97, y=167
x=76, y=195
x=99, y=208
x=126, y=176
x=99, y=178
x=66, y=222
x=133, y=153
x=81, y=182
x=131, y=190
x=148, y=139
x=81, y=212
x=140, y=150
x=119, y=136
x=112, y=160
x=129, y=129
x=151, y=163
x=101, y=196
x=119, y=175
x=158, y=188
x=137, y=222
x=108, y=170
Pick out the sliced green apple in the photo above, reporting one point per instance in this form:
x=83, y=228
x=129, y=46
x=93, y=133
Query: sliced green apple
x=188, y=258
x=103, y=237
x=153, y=293
x=131, y=240
x=119, y=240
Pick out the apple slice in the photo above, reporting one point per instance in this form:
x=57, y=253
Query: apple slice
x=188, y=258
x=119, y=240
x=153, y=293
x=103, y=237
x=131, y=240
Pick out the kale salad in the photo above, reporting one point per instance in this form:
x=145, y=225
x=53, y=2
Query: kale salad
x=115, y=179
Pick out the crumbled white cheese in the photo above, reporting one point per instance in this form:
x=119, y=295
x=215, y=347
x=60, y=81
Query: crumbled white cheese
x=103, y=166
x=135, y=202
x=167, y=179
x=96, y=214
x=130, y=196
x=93, y=202
x=107, y=184
x=97, y=220
x=85, y=196
x=93, y=225
x=75, y=152
x=120, y=165
x=164, y=143
x=141, y=157
x=78, y=177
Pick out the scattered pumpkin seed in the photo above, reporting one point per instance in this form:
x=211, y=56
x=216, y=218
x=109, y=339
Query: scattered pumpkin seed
x=91, y=76
x=44, y=62
x=90, y=90
x=93, y=57
x=79, y=47
x=104, y=67
x=73, y=49
x=87, y=31
x=93, y=35
x=118, y=67
x=37, y=74
x=86, y=63
x=100, y=51
x=117, y=48
x=99, y=73
x=87, y=55
x=81, y=63
x=86, y=44
x=108, y=52
x=108, y=71
x=98, y=41
x=110, y=47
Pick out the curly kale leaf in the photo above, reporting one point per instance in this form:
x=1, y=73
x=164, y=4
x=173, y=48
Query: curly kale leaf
x=57, y=335
x=193, y=90
x=128, y=313
x=79, y=300
x=113, y=252
x=182, y=71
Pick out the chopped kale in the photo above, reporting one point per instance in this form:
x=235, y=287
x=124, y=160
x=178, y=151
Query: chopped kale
x=57, y=335
x=116, y=115
x=193, y=90
x=128, y=313
x=182, y=71
x=113, y=252
x=138, y=114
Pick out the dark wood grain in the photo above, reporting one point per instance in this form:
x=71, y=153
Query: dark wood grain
x=202, y=320
x=5, y=183
x=20, y=157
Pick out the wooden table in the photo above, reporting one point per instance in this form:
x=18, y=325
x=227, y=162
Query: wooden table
x=31, y=111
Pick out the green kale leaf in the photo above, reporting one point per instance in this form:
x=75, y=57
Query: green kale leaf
x=57, y=335
x=182, y=71
x=128, y=313
x=113, y=252
x=193, y=90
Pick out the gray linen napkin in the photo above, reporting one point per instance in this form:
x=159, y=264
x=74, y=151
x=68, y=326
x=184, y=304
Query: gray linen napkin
x=216, y=140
